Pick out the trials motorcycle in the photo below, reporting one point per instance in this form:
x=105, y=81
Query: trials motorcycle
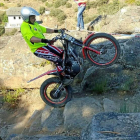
x=101, y=49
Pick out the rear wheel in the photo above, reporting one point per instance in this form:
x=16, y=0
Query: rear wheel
x=108, y=47
x=48, y=89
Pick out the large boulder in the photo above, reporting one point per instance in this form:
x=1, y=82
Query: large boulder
x=127, y=20
x=19, y=65
x=79, y=112
x=113, y=126
x=122, y=76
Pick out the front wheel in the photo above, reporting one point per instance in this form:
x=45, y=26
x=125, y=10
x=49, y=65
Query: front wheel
x=48, y=89
x=108, y=47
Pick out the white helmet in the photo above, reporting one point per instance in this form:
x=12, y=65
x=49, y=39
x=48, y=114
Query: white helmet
x=26, y=12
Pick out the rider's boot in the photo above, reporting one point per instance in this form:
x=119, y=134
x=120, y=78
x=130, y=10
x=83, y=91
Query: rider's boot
x=60, y=70
x=59, y=67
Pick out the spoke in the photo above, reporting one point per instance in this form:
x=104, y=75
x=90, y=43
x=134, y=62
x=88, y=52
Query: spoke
x=106, y=48
x=52, y=90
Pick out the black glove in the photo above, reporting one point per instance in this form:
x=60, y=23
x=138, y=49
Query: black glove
x=51, y=42
x=47, y=41
x=60, y=30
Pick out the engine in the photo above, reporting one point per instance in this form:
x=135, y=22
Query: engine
x=72, y=68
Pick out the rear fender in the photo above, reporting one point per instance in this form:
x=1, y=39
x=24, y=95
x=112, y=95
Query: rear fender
x=51, y=72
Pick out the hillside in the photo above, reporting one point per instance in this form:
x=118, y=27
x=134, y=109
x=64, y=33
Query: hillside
x=95, y=90
x=69, y=9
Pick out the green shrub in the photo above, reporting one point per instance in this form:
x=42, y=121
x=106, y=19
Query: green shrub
x=18, y=5
x=12, y=32
x=100, y=86
x=102, y=2
x=3, y=18
x=92, y=4
x=1, y=4
x=57, y=4
x=61, y=17
x=2, y=30
x=76, y=10
x=48, y=4
x=130, y=1
x=63, y=2
x=45, y=63
x=59, y=14
x=126, y=86
x=12, y=97
x=110, y=8
x=68, y=5
x=43, y=0
x=42, y=10
x=138, y=3
x=126, y=108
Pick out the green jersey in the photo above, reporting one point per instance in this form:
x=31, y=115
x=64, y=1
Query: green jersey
x=30, y=30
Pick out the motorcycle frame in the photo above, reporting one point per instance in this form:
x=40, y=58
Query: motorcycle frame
x=65, y=44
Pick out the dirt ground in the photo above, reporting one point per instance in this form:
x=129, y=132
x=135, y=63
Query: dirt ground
x=30, y=101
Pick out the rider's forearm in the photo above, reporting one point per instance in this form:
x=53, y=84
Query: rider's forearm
x=48, y=30
x=35, y=39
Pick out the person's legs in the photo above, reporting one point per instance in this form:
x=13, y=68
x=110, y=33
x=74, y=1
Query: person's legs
x=80, y=21
x=51, y=53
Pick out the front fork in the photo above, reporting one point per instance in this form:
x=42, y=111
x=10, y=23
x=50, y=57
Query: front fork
x=58, y=90
x=90, y=49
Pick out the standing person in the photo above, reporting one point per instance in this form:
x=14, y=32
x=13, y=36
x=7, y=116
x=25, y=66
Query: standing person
x=32, y=32
x=81, y=8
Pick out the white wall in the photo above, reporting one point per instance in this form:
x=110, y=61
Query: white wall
x=14, y=21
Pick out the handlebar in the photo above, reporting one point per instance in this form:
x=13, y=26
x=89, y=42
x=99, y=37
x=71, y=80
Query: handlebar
x=59, y=36
x=64, y=36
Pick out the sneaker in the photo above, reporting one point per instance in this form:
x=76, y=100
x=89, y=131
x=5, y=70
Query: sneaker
x=78, y=29
x=82, y=30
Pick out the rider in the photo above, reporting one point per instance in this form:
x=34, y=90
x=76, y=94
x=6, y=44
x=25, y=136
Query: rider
x=32, y=32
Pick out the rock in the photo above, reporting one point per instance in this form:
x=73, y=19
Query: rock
x=110, y=106
x=79, y=112
x=123, y=21
x=24, y=137
x=53, y=121
x=41, y=137
x=46, y=113
x=21, y=66
x=34, y=123
x=59, y=138
x=113, y=126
